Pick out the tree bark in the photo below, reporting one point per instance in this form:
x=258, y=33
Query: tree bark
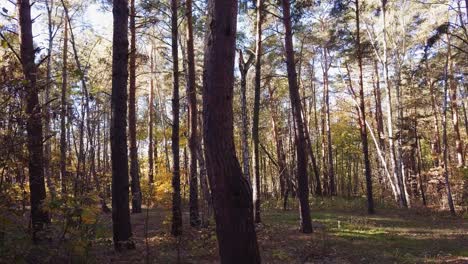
x=454, y=106
x=231, y=192
x=391, y=139
x=47, y=140
x=134, y=175
x=303, y=185
x=244, y=67
x=331, y=171
x=122, y=230
x=39, y=217
x=193, y=119
x=444, y=135
x=362, y=119
x=176, y=229
x=256, y=111
x=151, y=123
x=63, y=113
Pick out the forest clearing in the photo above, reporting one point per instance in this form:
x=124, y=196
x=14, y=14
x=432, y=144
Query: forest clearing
x=233, y=131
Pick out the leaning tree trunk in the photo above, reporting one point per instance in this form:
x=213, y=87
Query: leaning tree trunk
x=193, y=119
x=176, y=228
x=391, y=140
x=303, y=185
x=120, y=207
x=256, y=112
x=231, y=192
x=39, y=217
x=135, y=186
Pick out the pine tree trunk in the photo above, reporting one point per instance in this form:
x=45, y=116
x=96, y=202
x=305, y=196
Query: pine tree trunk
x=331, y=171
x=46, y=107
x=362, y=119
x=134, y=175
x=244, y=68
x=122, y=230
x=151, y=123
x=63, y=113
x=303, y=185
x=176, y=228
x=231, y=192
x=39, y=217
x=193, y=119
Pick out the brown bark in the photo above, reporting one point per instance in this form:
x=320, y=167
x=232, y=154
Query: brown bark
x=362, y=118
x=193, y=119
x=244, y=67
x=303, y=185
x=39, y=217
x=151, y=123
x=63, y=113
x=231, y=193
x=134, y=175
x=122, y=230
x=176, y=228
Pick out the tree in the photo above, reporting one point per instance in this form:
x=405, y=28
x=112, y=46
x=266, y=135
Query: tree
x=244, y=67
x=39, y=216
x=362, y=119
x=151, y=152
x=231, y=192
x=193, y=119
x=122, y=230
x=134, y=175
x=63, y=112
x=256, y=113
x=303, y=185
x=176, y=229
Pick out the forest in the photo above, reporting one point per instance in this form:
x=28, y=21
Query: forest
x=233, y=131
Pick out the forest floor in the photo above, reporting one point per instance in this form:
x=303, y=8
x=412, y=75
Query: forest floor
x=343, y=235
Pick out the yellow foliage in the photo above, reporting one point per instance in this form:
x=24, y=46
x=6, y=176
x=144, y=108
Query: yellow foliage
x=160, y=193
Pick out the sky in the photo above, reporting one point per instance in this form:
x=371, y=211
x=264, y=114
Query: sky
x=95, y=17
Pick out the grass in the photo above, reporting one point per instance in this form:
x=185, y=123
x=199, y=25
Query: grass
x=343, y=233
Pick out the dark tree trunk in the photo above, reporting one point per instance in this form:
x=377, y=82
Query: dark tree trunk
x=46, y=107
x=151, y=124
x=303, y=185
x=134, y=175
x=362, y=119
x=120, y=207
x=331, y=169
x=244, y=67
x=256, y=112
x=231, y=192
x=176, y=228
x=63, y=113
x=39, y=217
x=193, y=119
